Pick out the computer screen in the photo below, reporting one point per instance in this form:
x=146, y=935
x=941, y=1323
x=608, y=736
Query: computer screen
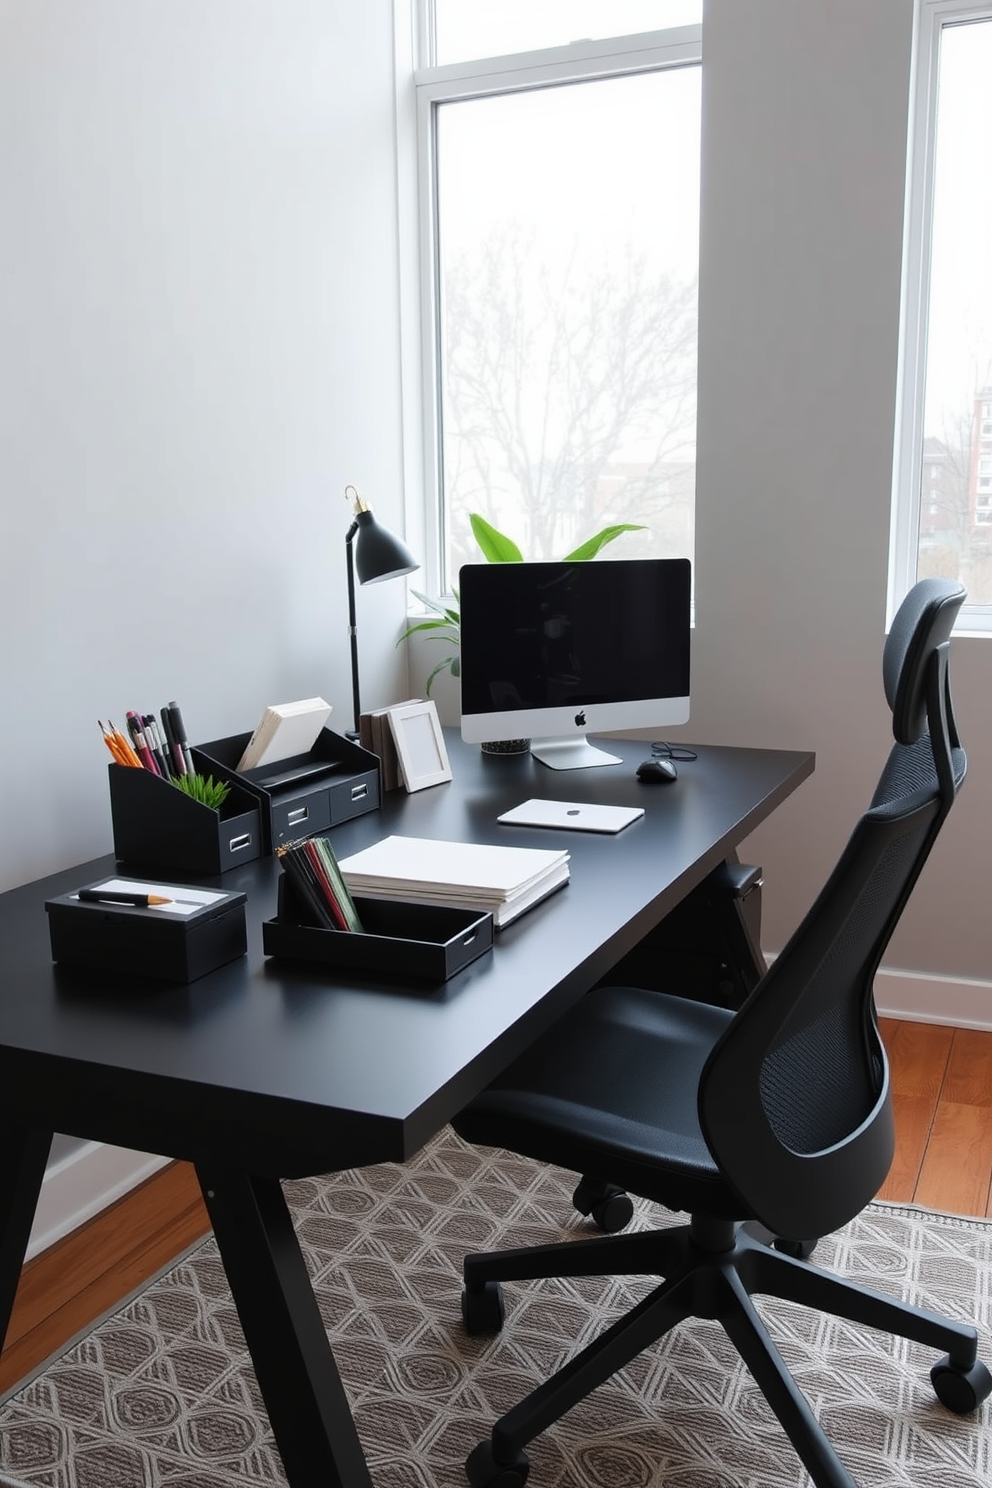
x=550, y=651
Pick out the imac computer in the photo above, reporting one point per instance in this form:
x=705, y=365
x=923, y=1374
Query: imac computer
x=551, y=650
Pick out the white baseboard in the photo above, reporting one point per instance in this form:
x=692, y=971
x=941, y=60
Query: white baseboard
x=919, y=998
x=82, y=1183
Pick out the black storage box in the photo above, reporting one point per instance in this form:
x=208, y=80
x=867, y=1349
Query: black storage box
x=147, y=942
x=302, y=796
x=401, y=939
x=159, y=826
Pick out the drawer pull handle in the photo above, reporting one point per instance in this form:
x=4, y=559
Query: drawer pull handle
x=237, y=843
x=299, y=815
x=358, y=791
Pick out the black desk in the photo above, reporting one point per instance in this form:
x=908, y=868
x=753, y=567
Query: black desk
x=265, y=1070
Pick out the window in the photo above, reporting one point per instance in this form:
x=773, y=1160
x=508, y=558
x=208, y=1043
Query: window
x=464, y=30
x=947, y=394
x=560, y=198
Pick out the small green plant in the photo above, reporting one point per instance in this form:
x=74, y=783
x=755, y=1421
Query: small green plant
x=204, y=788
x=496, y=547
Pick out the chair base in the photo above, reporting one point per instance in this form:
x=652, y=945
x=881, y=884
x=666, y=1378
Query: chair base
x=710, y=1269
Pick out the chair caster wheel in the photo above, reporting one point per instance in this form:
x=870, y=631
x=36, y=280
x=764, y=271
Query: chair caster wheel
x=483, y=1311
x=606, y=1204
x=960, y=1390
x=483, y=1471
x=800, y=1250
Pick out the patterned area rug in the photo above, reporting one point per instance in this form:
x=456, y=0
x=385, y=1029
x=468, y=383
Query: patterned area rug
x=161, y=1394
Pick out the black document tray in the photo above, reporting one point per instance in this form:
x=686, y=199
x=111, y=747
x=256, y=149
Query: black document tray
x=401, y=939
x=302, y=796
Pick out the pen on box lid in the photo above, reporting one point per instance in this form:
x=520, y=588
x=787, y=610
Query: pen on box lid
x=122, y=896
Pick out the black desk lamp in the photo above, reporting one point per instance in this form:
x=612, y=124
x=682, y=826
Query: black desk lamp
x=376, y=555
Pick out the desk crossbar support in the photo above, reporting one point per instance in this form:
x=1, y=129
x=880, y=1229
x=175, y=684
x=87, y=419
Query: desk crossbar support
x=295, y=1368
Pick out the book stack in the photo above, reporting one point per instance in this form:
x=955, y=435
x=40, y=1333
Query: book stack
x=375, y=734
x=315, y=875
x=469, y=875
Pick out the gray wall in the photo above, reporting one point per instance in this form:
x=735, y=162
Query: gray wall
x=804, y=139
x=200, y=346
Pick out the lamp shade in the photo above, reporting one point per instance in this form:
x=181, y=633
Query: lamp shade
x=379, y=555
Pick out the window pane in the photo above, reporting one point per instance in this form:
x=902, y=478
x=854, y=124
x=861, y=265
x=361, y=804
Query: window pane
x=568, y=240
x=955, y=535
x=468, y=29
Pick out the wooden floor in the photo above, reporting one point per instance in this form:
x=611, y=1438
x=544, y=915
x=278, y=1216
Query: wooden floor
x=942, y=1089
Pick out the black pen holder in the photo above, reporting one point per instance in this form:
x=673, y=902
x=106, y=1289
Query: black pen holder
x=156, y=825
x=401, y=939
x=302, y=796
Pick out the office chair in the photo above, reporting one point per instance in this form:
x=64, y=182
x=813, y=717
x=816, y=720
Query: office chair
x=778, y=1113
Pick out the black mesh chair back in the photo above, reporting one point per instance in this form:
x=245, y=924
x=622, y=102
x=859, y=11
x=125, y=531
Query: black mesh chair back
x=794, y=1101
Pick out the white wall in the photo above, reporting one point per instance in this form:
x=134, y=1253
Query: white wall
x=198, y=351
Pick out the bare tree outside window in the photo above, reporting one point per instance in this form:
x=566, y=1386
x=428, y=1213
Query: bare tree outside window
x=568, y=249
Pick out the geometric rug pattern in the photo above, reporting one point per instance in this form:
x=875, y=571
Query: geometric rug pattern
x=162, y=1395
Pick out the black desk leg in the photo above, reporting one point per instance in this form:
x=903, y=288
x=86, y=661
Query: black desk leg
x=23, y=1155
x=294, y=1365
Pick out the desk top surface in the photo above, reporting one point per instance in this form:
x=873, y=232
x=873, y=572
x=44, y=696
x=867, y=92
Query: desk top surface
x=287, y=1068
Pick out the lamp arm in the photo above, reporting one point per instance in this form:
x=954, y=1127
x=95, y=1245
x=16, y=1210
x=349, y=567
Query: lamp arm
x=352, y=624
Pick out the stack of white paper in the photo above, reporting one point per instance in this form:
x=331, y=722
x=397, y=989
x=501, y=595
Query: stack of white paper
x=470, y=875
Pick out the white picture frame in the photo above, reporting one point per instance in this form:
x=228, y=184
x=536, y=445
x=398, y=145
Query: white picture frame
x=420, y=748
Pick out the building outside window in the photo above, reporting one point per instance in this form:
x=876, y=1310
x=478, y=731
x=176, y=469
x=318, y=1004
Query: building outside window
x=560, y=201
x=948, y=309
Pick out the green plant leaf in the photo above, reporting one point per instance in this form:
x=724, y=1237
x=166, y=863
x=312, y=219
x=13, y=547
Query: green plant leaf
x=439, y=606
x=445, y=630
x=449, y=664
x=495, y=547
x=205, y=789
x=592, y=545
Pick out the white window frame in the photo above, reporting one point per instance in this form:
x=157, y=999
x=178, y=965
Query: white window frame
x=584, y=61
x=932, y=17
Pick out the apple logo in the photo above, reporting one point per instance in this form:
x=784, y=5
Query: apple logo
x=580, y=718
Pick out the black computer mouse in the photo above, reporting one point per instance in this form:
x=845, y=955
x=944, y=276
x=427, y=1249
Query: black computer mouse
x=657, y=772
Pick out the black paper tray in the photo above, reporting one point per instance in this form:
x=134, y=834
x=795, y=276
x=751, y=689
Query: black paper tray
x=427, y=941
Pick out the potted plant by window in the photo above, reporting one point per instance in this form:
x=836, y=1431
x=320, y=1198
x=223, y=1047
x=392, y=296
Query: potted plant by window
x=444, y=623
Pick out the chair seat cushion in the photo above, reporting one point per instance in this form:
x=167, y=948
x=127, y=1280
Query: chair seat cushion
x=610, y=1091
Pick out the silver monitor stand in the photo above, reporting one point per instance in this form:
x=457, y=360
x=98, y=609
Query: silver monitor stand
x=571, y=753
